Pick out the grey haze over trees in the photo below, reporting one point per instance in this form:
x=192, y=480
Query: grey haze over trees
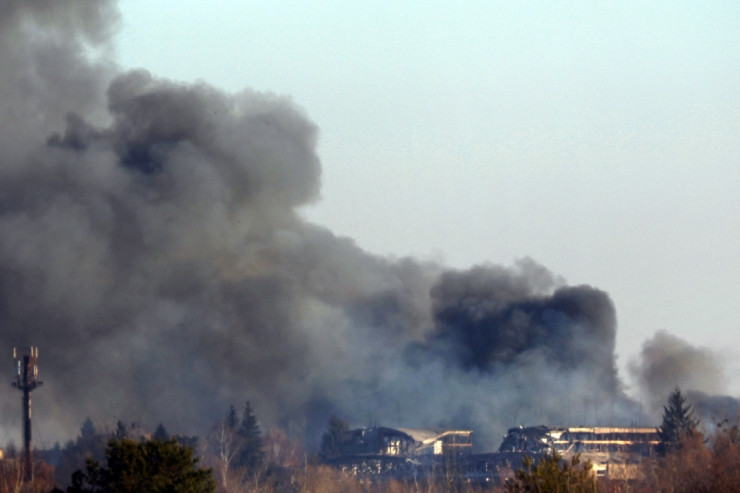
x=331, y=440
x=236, y=450
x=667, y=362
x=157, y=225
x=89, y=444
x=160, y=433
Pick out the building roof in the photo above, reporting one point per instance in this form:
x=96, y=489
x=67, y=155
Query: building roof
x=427, y=436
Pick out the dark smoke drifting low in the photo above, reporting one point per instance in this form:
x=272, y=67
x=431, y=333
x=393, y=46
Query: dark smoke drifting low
x=150, y=246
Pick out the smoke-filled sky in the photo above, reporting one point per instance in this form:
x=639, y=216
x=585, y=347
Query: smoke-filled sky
x=601, y=139
x=404, y=215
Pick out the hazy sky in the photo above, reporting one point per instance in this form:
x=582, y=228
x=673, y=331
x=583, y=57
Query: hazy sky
x=602, y=139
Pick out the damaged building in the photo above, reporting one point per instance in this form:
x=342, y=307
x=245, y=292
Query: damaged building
x=405, y=442
x=613, y=451
x=401, y=452
x=407, y=453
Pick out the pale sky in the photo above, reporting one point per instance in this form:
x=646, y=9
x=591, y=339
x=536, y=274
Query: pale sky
x=601, y=139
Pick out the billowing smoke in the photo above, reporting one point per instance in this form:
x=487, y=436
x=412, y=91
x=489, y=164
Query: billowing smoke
x=667, y=362
x=149, y=243
x=526, y=341
x=150, y=246
x=52, y=61
x=495, y=317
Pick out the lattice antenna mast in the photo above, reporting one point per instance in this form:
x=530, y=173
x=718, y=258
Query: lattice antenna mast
x=26, y=380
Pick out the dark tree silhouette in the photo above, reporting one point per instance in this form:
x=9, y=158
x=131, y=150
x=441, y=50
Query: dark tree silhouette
x=331, y=440
x=152, y=466
x=89, y=444
x=160, y=433
x=231, y=419
x=251, y=453
x=678, y=424
x=87, y=430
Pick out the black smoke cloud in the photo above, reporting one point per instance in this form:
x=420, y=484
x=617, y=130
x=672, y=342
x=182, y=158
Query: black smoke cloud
x=150, y=245
x=534, y=349
x=492, y=317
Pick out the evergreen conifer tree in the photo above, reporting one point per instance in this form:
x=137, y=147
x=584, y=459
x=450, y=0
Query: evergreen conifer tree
x=251, y=453
x=153, y=466
x=160, y=433
x=678, y=423
x=89, y=443
x=87, y=431
x=231, y=419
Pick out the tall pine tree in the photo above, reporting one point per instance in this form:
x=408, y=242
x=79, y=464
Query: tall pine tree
x=231, y=419
x=251, y=453
x=678, y=424
x=160, y=433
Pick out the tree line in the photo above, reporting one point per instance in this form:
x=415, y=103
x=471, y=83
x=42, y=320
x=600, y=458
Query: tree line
x=234, y=456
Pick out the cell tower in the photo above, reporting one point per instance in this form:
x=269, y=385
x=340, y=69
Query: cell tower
x=26, y=379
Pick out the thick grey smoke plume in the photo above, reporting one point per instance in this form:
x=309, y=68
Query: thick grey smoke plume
x=150, y=246
x=44, y=72
x=525, y=340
